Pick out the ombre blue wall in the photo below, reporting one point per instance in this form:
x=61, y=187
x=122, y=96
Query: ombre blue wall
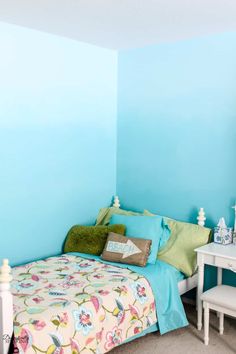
x=59, y=161
x=177, y=128
x=58, y=109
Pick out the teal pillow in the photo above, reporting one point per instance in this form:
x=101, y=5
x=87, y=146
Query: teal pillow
x=90, y=239
x=166, y=233
x=147, y=227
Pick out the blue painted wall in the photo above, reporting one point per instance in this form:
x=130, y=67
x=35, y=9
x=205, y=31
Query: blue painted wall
x=58, y=106
x=177, y=130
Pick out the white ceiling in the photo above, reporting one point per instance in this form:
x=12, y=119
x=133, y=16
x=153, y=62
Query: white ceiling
x=119, y=24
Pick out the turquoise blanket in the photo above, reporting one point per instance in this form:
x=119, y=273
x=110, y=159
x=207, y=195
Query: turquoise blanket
x=164, y=282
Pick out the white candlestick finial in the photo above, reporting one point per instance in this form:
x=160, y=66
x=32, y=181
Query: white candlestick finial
x=201, y=217
x=5, y=272
x=116, y=203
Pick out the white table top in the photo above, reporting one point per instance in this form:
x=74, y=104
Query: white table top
x=227, y=251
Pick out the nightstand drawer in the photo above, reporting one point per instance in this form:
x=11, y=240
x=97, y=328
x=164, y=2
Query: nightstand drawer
x=225, y=263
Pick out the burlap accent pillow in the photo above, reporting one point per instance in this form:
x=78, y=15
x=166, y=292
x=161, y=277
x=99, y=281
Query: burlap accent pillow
x=128, y=250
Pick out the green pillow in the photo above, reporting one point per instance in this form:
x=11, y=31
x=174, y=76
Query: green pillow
x=184, y=238
x=105, y=214
x=90, y=239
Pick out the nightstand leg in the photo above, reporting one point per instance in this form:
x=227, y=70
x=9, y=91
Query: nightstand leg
x=219, y=282
x=221, y=322
x=200, y=291
x=206, y=324
x=219, y=276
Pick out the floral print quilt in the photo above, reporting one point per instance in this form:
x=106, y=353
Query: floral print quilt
x=69, y=304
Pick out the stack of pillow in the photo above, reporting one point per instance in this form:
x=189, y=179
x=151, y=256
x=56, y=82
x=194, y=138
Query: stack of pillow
x=148, y=237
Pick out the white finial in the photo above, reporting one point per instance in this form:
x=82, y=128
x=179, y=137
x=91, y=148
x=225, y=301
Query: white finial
x=234, y=207
x=201, y=217
x=5, y=272
x=116, y=203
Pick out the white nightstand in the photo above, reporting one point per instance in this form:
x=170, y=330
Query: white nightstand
x=220, y=256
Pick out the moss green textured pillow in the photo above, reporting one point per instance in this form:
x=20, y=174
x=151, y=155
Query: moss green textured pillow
x=184, y=238
x=105, y=214
x=90, y=239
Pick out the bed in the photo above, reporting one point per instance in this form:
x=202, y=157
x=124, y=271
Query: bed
x=77, y=303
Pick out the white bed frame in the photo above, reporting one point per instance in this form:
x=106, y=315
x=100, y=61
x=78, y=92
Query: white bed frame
x=6, y=298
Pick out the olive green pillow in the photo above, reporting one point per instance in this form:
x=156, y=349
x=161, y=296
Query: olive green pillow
x=90, y=239
x=179, y=249
x=105, y=214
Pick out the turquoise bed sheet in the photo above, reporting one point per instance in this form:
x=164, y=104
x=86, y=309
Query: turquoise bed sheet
x=164, y=282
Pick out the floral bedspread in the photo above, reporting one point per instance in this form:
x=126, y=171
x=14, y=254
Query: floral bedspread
x=70, y=304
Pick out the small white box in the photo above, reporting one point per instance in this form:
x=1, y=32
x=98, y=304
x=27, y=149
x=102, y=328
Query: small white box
x=223, y=235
